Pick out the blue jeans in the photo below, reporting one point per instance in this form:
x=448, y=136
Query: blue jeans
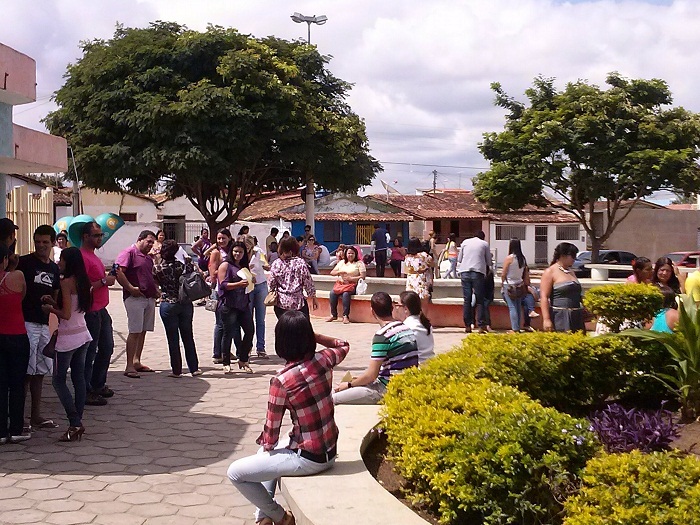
x=99, y=353
x=14, y=358
x=177, y=317
x=218, y=331
x=257, y=306
x=233, y=321
x=514, y=309
x=473, y=282
x=452, y=272
x=75, y=360
x=256, y=477
x=528, y=304
x=333, y=300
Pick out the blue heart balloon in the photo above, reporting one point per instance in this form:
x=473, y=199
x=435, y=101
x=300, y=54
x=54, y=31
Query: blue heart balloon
x=110, y=223
x=63, y=223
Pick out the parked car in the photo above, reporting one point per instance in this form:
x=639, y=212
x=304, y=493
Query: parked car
x=686, y=259
x=604, y=257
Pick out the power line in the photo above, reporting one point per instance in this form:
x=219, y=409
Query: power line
x=433, y=165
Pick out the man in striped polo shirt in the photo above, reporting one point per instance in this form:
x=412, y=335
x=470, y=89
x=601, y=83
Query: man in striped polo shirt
x=393, y=350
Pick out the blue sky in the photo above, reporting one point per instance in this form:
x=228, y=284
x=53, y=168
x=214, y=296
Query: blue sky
x=421, y=70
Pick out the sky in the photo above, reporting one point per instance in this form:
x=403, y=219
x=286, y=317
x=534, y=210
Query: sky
x=421, y=70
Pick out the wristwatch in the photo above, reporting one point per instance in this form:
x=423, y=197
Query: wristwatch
x=349, y=384
x=103, y=281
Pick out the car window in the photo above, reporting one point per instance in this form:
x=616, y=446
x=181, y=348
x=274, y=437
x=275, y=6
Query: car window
x=627, y=257
x=584, y=256
x=675, y=257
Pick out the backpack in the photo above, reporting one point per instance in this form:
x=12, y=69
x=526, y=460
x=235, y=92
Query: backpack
x=193, y=287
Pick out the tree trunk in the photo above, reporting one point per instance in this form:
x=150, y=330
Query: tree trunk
x=596, y=243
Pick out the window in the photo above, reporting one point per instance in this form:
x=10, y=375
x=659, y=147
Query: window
x=454, y=228
x=331, y=231
x=128, y=217
x=506, y=232
x=568, y=232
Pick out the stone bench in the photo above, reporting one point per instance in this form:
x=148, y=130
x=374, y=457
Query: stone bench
x=600, y=271
x=347, y=494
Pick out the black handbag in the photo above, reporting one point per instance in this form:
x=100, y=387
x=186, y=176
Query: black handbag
x=193, y=287
x=50, y=349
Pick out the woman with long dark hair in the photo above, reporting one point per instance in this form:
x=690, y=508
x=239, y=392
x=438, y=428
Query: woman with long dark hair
x=666, y=274
x=416, y=320
x=515, y=278
x=642, y=271
x=347, y=272
x=304, y=387
x=217, y=253
x=73, y=338
x=560, y=293
x=234, y=308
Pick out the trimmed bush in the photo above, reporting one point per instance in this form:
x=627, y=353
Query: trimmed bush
x=476, y=450
x=569, y=372
x=660, y=488
x=615, y=304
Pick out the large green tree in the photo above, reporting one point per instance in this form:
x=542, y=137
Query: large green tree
x=584, y=144
x=218, y=116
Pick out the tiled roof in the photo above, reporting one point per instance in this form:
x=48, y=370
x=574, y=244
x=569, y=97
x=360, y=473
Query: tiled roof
x=682, y=206
x=534, y=217
x=352, y=217
x=270, y=207
x=603, y=205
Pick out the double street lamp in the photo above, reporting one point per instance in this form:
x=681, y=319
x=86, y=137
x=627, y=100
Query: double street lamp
x=310, y=189
x=318, y=20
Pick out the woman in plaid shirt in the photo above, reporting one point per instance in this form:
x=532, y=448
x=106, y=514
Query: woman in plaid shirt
x=304, y=387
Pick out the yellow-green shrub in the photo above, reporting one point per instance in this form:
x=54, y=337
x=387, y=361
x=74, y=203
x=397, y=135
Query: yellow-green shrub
x=566, y=371
x=477, y=450
x=615, y=304
x=660, y=488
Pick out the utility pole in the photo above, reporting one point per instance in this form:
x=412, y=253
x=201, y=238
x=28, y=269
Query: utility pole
x=434, y=180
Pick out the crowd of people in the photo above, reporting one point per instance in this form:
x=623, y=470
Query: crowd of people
x=72, y=284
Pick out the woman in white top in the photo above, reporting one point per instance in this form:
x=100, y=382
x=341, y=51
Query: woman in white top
x=417, y=321
x=73, y=338
x=347, y=272
x=515, y=278
x=257, y=265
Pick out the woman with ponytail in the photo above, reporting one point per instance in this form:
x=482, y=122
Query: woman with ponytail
x=417, y=321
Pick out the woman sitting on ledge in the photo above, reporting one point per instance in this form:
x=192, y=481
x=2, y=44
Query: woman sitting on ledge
x=348, y=271
x=304, y=387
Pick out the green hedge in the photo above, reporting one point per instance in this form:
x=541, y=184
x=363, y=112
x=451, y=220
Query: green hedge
x=660, y=488
x=569, y=372
x=616, y=304
x=476, y=450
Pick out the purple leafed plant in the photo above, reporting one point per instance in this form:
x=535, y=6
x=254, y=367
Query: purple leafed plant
x=621, y=430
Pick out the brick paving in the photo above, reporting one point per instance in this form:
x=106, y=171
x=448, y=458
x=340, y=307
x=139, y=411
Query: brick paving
x=158, y=452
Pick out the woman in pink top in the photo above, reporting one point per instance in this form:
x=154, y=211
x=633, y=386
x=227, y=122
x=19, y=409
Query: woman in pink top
x=73, y=338
x=14, y=352
x=290, y=277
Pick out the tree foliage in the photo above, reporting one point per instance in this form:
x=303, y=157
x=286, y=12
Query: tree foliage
x=219, y=116
x=585, y=144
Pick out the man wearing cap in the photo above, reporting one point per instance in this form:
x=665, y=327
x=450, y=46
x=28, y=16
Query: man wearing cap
x=43, y=278
x=135, y=274
x=98, y=320
x=8, y=237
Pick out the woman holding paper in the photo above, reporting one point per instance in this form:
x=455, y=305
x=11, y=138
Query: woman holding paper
x=235, y=285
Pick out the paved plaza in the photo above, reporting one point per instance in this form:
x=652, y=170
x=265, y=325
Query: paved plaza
x=158, y=452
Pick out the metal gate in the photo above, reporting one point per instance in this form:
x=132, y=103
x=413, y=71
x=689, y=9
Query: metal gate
x=541, y=248
x=363, y=234
x=28, y=211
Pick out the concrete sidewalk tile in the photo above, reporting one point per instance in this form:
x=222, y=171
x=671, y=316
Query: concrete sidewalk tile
x=12, y=492
x=15, y=504
x=70, y=518
x=119, y=519
x=24, y=516
x=60, y=505
x=95, y=496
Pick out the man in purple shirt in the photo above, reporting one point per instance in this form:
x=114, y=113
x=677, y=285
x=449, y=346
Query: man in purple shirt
x=135, y=274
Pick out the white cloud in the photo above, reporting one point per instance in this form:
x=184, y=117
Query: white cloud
x=421, y=70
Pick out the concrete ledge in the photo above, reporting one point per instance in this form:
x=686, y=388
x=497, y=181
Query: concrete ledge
x=347, y=494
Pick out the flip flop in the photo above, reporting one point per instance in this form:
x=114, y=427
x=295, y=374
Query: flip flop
x=144, y=369
x=132, y=375
x=45, y=423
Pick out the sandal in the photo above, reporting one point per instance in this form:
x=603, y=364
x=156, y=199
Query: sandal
x=331, y=319
x=346, y=319
x=144, y=369
x=288, y=519
x=245, y=367
x=132, y=374
x=44, y=423
x=265, y=521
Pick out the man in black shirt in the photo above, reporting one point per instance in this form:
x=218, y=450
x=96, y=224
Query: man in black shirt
x=43, y=278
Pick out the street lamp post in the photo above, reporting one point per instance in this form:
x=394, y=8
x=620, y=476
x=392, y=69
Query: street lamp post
x=310, y=191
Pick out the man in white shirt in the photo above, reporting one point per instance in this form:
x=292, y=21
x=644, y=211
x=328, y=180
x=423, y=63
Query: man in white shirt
x=474, y=257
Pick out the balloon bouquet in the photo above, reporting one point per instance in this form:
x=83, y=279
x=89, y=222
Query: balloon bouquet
x=109, y=222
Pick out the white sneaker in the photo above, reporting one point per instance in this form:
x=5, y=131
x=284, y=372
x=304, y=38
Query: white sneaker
x=20, y=438
x=227, y=369
x=197, y=373
x=533, y=314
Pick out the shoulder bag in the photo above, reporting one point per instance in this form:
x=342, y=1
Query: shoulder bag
x=50, y=349
x=271, y=298
x=517, y=291
x=193, y=287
